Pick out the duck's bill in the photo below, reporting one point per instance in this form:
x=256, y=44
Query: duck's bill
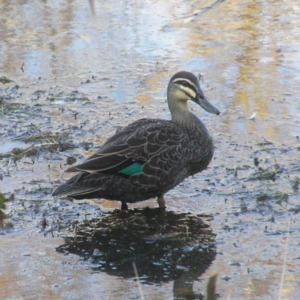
x=204, y=103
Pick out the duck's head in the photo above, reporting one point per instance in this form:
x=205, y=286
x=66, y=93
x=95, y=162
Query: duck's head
x=185, y=86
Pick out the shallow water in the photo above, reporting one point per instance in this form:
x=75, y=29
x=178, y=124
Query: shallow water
x=83, y=69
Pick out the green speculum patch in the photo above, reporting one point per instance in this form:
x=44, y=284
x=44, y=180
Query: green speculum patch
x=133, y=169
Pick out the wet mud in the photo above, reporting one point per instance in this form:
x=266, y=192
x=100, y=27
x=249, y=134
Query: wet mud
x=66, y=86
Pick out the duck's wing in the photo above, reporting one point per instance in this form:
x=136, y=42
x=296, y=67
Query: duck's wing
x=127, y=151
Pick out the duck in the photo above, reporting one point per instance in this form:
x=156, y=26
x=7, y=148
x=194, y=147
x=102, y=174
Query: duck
x=148, y=157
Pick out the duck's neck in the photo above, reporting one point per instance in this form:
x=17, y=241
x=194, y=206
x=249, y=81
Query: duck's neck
x=180, y=112
x=184, y=118
x=178, y=108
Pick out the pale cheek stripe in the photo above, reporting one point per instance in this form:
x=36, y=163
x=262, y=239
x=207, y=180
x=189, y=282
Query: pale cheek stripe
x=188, y=91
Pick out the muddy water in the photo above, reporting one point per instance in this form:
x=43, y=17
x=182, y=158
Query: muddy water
x=82, y=69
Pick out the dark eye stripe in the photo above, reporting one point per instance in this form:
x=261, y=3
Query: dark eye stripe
x=187, y=84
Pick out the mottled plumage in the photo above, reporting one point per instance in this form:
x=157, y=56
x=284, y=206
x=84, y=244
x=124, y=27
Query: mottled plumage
x=150, y=156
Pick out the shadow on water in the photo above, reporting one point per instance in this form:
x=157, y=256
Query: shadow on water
x=164, y=246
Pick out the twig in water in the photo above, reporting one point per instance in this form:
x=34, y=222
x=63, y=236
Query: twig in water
x=138, y=280
x=211, y=288
x=285, y=259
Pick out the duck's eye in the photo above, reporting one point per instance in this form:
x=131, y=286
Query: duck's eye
x=185, y=83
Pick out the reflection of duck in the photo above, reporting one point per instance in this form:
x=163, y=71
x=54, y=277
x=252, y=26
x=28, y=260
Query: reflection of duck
x=177, y=247
x=150, y=156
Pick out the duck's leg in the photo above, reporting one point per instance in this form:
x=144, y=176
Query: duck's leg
x=161, y=201
x=124, y=206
